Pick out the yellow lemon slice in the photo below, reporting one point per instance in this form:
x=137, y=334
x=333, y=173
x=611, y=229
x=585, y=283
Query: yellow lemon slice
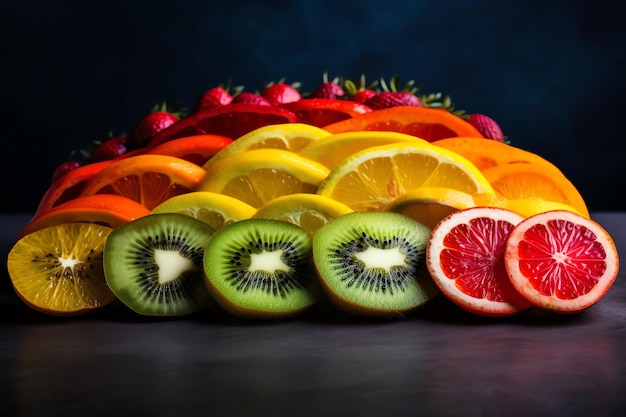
x=309, y=211
x=333, y=149
x=258, y=176
x=374, y=177
x=532, y=206
x=429, y=205
x=287, y=136
x=218, y=210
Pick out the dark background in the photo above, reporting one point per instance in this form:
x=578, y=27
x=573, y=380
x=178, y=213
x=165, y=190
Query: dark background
x=551, y=72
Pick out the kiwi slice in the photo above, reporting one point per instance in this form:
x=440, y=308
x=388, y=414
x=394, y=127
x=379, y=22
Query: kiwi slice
x=261, y=269
x=153, y=264
x=373, y=263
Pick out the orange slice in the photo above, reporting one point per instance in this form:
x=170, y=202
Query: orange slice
x=147, y=179
x=107, y=209
x=58, y=270
x=487, y=153
x=373, y=178
x=197, y=149
x=424, y=122
x=333, y=149
x=260, y=175
x=534, y=181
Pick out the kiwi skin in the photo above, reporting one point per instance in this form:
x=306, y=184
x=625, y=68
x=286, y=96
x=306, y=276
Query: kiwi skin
x=127, y=277
x=371, y=222
x=257, y=304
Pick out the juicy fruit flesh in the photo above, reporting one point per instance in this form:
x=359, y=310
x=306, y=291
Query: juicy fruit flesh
x=171, y=265
x=562, y=259
x=473, y=257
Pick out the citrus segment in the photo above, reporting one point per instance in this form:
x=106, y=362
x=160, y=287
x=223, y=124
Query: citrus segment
x=533, y=181
x=371, y=179
x=218, y=210
x=287, y=136
x=106, y=209
x=486, y=153
x=147, y=179
x=429, y=205
x=258, y=176
x=309, y=211
x=427, y=123
x=197, y=149
x=561, y=261
x=58, y=270
x=530, y=207
x=465, y=257
x=333, y=149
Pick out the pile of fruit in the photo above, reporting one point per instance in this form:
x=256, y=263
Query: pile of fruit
x=261, y=204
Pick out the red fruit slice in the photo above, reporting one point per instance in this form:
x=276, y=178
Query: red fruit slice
x=324, y=111
x=561, y=261
x=197, y=149
x=232, y=120
x=465, y=257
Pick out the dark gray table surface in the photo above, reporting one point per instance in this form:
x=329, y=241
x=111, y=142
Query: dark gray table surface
x=438, y=362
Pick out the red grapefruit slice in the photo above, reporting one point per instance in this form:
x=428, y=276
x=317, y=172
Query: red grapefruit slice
x=465, y=257
x=561, y=261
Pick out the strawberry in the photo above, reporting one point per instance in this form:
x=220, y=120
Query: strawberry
x=216, y=96
x=487, y=126
x=108, y=149
x=149, y=126
x=360, y=92
x=363, y=95
x=281, y=93
x=387, y=99
x=328, y=89
x=64, y=168
x=251, y=98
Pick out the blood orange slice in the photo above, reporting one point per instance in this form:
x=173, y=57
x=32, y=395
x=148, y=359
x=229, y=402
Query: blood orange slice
x=561, y=261
x=465, y=257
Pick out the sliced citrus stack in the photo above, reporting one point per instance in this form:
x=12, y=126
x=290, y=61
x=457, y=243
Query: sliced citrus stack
x=333, y=149
x=534, y=181
x=147, y=179
x=260, y=175
x=561, y=261
x=197, y=149
x=309, y=211
x=465, y=257
x=287, y=136
x=68, y=186
x=371, y=179
x=58, y=270
x=429, y=205
x=107, y=209
x=217, y=210
x=424, y=122
x=487, y=153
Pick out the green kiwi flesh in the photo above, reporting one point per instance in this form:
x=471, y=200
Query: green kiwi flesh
x=261, y=269
x=373, y=263
x=153, y=264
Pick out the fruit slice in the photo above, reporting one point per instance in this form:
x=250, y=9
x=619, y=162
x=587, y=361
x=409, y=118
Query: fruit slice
x=154, y=264
x=324, y=111
x=533, y=181
x=371, y=179
x=333, y=149
x=429, y=205
x=372, y=263
x=58, y=270
x=561, y=261
x=465, y=258
x=486, y=153
x=531, y=206
x=68, y=186
x=288, y=136
x=232, y=120
x=147, y=179
x=260, y=175
x=424, y=122
x=106, y=209
x=261, y=269
x=309, y=211
x=218, y=210
x=197, y=149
